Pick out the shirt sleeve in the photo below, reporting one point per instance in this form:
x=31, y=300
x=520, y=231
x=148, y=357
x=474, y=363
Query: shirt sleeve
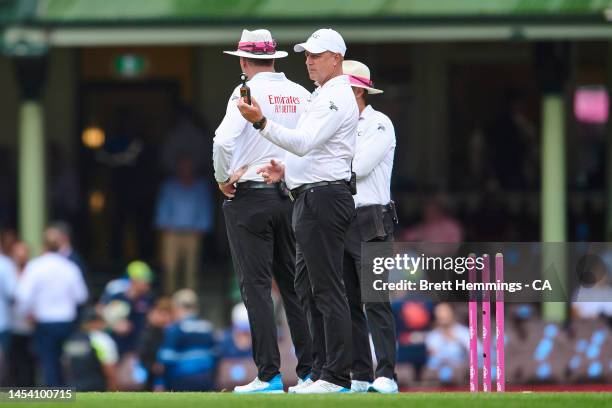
x=227, y=133
x=320, y=124
x=371, y=151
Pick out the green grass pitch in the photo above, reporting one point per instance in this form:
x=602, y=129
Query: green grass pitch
x=406, y=400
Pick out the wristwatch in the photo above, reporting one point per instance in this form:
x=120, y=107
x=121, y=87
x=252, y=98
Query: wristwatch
x=260, y=124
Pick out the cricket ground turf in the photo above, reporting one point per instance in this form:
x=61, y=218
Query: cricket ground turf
x=410, y=400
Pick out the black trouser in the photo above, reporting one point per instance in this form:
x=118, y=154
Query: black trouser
x=21, y=361
x=379, y=314
x=263, y=245
x=321, y=216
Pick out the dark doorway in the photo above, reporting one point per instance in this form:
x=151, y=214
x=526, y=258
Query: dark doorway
x=121, y=175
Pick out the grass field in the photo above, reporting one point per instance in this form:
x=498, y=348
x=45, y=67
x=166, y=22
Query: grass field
x=406, y=400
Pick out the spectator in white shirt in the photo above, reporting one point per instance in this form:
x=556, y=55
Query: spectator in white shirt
x=49, y=292
x=7, y=290
x=449, y=341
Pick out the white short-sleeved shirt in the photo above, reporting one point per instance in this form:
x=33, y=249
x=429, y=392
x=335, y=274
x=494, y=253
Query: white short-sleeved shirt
x=322, y=145
x=238, y=143
x=373, y=162
x=50, y=289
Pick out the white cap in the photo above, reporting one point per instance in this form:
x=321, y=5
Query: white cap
x=323, y=40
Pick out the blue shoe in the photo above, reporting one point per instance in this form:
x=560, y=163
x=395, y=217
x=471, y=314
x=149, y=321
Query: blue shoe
x=274, y=386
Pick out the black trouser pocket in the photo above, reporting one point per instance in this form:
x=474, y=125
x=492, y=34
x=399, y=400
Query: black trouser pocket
x=371, y=222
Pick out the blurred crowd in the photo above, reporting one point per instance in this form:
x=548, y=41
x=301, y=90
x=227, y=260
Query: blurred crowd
x=52, y=332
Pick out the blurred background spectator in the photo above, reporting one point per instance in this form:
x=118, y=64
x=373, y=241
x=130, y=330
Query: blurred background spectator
x=49, y=292
x=437, y=225
x=8, y=238
x=413, y=320
x=447, y=345
x=184, y=214
x=158, y=319
x=8, y=283
x=90, y=355
x=236, y=350
x=187, y=356
x=22, y=362
x=126, y=304
x=64, y=232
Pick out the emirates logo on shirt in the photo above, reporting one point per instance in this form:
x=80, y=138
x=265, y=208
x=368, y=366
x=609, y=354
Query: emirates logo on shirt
x=284, y=103
x=332, y=106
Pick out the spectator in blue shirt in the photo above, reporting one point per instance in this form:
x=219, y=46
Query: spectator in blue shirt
x=133, y=303
x=188, y=352
x=184, y=215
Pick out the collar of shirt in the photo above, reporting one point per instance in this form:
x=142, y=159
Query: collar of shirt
x=269, y=76
x=369, y=110
x=338, y=80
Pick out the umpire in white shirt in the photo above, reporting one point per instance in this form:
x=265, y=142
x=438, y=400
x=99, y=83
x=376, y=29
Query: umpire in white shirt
x=50, y=290
x=257, y=214
x=373, y=164
x=318, y=171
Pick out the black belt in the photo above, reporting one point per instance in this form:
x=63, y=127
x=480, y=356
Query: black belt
x=385, y=208
x=299, y=190
x=253, y=185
